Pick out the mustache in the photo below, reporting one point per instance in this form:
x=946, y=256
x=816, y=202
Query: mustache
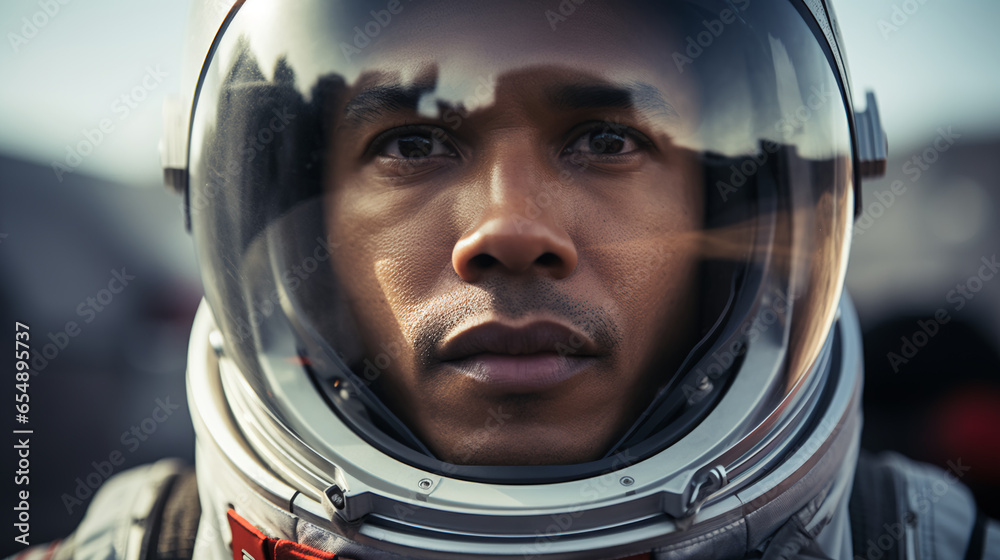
x=502, y=299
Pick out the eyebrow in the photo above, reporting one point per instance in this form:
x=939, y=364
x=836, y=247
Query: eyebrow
x=638, y=95
x=374, y=101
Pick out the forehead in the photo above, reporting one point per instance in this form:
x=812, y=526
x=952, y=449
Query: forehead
x=455, y=54
x=508, y=32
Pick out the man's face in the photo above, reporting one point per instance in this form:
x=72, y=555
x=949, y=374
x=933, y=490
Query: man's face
x=517, y=224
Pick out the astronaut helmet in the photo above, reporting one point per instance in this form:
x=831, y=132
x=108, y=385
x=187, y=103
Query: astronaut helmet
x=492, y=264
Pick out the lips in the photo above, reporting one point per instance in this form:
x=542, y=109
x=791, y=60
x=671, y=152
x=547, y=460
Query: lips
x=522, y=359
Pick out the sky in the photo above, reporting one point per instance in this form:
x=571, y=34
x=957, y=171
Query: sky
x=940, y=67
x=934, y=66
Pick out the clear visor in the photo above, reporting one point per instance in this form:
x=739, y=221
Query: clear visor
x=505, y=234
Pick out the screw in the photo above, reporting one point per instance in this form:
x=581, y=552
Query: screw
x=336, y=496
x=627, y=481
x=217, y=342
x=425, y=483
x=704, y=384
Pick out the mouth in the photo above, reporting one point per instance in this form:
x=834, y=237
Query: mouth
x=519, y=359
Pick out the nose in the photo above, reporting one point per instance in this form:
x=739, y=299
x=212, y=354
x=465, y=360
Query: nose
x=516, y=247
x=505, y=240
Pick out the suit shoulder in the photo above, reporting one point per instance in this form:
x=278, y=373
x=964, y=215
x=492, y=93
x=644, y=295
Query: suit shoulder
x=118, y=508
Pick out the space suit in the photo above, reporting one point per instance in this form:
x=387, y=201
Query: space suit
x=525, y=280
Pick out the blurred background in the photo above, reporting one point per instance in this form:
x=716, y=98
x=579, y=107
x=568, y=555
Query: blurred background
x=916, y=274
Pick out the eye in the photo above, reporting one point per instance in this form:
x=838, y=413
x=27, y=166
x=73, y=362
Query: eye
x=410, y=143
x=606, y=139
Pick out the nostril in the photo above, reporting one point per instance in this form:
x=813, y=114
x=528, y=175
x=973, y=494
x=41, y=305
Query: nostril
x=548, y=260
x=483, y=261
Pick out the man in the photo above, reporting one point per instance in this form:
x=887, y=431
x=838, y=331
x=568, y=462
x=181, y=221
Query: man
x=526, y=280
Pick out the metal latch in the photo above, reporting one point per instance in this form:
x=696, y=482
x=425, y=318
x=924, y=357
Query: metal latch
x=873, y=147
x=704, y=486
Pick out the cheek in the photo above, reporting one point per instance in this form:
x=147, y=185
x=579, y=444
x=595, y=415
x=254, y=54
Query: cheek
x=655, y=291
x=405, y=281
x=652, y=273
x=389, y=261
